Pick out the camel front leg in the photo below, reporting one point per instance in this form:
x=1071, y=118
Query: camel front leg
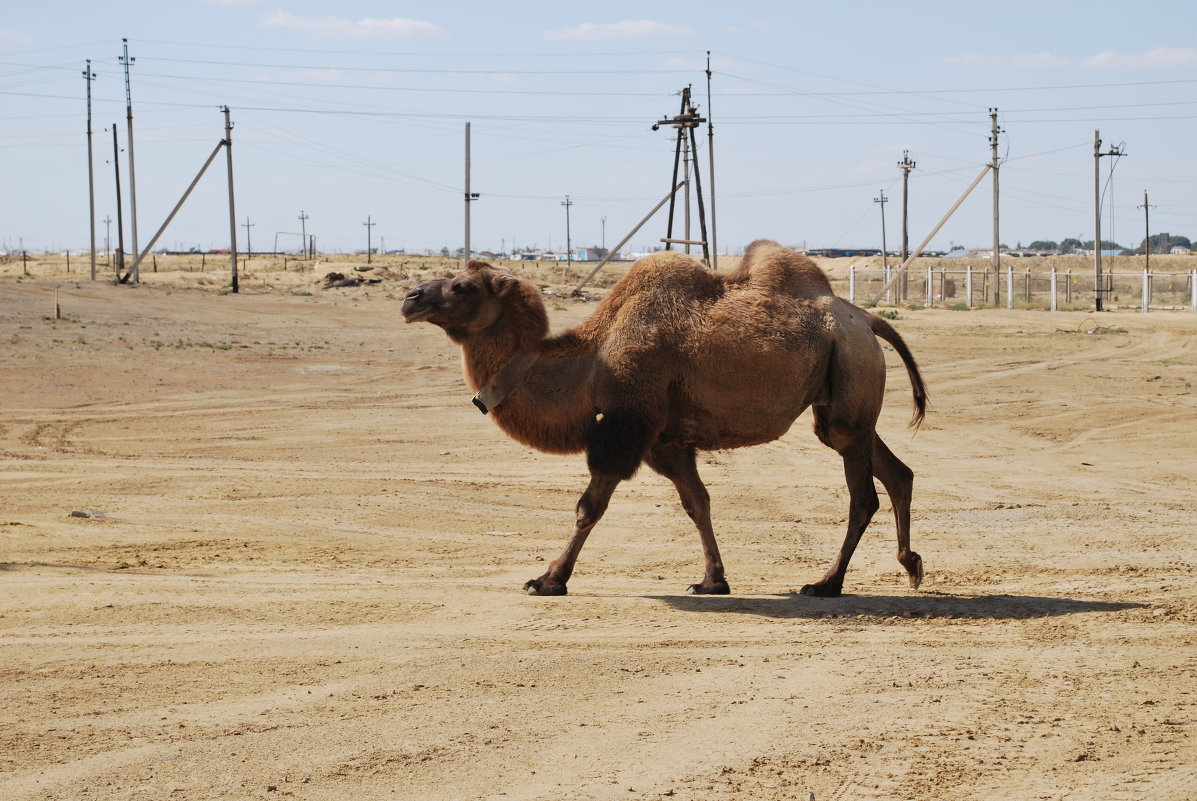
x=589, y=511
x=678, y=464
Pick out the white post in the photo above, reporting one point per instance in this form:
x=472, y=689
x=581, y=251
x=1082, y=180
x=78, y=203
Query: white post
x=968, y=286
x=930, y=288
x=852, y=284
x=889, y=295
x=1055, y=302
x=1009, y=287
x=1146, y=291
x=1193, y=291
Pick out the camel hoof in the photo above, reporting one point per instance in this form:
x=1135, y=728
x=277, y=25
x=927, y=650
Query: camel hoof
x=534, y=587
x=718, y=588
x=821, y=590
x=915, y=572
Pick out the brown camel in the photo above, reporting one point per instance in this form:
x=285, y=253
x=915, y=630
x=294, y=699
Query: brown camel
x=679, y=359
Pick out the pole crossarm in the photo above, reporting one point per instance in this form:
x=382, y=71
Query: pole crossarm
x=918, y=251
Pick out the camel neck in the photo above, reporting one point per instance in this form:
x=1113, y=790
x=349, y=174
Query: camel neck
x=505, y=380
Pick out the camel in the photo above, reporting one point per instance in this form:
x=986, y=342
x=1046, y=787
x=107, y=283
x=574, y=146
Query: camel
x=679, y=359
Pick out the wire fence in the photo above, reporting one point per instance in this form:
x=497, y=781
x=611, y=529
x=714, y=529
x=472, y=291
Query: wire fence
x=1055, y=290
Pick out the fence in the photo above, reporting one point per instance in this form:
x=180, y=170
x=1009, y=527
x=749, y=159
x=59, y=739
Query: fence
x=967, y=287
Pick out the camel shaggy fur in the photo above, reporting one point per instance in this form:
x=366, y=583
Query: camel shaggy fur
x=678, y=359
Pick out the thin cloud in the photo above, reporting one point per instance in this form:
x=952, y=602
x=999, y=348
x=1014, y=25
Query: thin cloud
x=1156, y=58
x=625, y=29
x=14, y=38
x=232, y=2
x=973, y=60
x=1024, y=60
x=1035, y=60
x=366, y=28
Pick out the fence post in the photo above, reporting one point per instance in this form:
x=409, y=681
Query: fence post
x=852, y=284
x=1055, y=304
x=1009, y=287
x=1146, y=291
x=968, y=285
x=930, y=288
x=1193, y=291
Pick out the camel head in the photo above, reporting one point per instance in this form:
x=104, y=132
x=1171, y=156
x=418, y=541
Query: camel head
x=466, y=303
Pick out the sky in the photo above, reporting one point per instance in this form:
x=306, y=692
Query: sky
x=355, y=112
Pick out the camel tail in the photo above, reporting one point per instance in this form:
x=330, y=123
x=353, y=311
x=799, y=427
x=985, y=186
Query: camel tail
x=887, y=332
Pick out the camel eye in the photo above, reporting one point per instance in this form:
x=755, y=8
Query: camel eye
x=461, y=289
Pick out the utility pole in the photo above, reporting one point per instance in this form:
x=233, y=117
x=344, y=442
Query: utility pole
x=1146, y=232
x=108, y=239
x=128, y=62
x=905, y=165
x=711, y=153
x=369, y=223
x=228, y=152
x=120, y=225
x=994, y=130
x=569, y=253
x=249, y=248
x=303, y=229
x=89, y=76
x=1097, y=154
x=604, y=245
x=884, y=254
x=469, y=198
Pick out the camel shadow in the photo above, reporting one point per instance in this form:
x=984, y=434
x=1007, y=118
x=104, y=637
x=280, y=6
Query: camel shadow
x=924, y=605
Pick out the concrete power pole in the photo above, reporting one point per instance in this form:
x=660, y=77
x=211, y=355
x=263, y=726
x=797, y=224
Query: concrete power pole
x=469, y=198
x=128, y=62
x=89, y=76
x=905, y=165
x=994, y=130
x=228, y=152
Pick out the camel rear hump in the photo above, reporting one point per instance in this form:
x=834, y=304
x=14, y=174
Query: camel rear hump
x=770, y=267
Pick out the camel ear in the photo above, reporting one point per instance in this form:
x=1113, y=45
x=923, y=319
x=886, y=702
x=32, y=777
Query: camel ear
x=503, y=284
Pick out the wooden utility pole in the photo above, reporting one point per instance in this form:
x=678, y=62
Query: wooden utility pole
x=905, y=165
x=1146, y=232
x=89, y=76
x=249, y=248
x=994, y=130
x=303, y=232
x=1116, y=150
x=128, y=62
x=711, y=154
x=120, y=225
x=569, y=249
x=369, y=223
x=228, y=152
x=884, y=254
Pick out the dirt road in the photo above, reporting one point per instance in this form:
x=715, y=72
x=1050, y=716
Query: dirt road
x=301, y=574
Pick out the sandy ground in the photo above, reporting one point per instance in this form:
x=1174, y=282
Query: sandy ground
x=305, y=576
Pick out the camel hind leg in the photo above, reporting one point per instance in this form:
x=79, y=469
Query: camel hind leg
x=678, y=464
x=855, y=444
x=898, y=480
